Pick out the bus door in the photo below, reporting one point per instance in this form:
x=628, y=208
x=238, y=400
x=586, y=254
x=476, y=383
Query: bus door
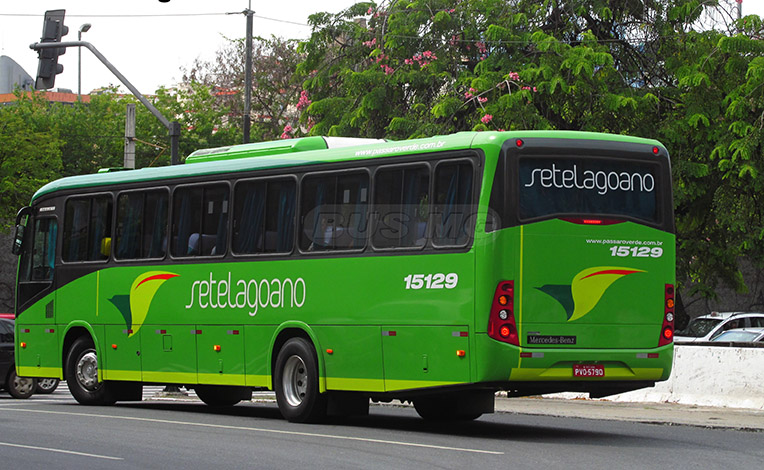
x=36, y=242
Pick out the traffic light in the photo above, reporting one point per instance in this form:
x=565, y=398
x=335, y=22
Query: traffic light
x=48, y=67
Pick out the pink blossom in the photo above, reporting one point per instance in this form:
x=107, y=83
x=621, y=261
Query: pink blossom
x=486, y=119
x=369, y=11
x=388, y=70
x=468, y=95
x=482, y=99
x=514, y=76
x=451, y=10
x=304, y=102
x=480, y=47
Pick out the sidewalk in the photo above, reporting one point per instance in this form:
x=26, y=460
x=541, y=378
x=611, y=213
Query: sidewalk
x=654, y=413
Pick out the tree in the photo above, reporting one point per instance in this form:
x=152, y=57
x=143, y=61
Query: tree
x=30, y=153
x=275, y=92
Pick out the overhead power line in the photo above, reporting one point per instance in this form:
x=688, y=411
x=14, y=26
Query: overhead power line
x=157, y=15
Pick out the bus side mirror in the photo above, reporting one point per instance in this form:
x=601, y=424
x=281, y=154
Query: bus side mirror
x=106, y=246
x=18, y=240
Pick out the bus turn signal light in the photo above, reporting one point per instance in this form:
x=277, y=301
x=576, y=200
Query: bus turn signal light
x=667, y=330
x=23, y=345
x=461, y=353
x=216, y=348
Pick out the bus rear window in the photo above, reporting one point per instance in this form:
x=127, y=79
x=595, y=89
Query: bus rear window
x=588, y=186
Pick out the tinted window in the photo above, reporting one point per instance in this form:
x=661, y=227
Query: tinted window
x=141, y=225
x=200, y=221
x=87, y=222
x=452, y=212
x=566, y=185
x=334, y=212
x=401, y=207
x=264, y=216
x=40, y=263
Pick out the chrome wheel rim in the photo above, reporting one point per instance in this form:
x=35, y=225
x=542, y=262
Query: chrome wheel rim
x=46, y=383
x=23, y=385
x=87, y=370
x=295, y=381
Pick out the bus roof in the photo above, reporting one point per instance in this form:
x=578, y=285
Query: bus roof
x=310, y=151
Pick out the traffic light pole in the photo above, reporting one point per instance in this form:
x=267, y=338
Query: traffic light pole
x=172, y=127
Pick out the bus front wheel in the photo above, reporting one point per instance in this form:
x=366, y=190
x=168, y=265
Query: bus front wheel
x=296, y=383
x=82, y=374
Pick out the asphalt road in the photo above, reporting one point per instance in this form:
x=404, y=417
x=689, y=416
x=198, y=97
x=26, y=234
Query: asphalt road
x=54, y=432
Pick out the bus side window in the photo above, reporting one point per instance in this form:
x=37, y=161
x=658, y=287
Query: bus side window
x=44, y=249
x=141, y=225
x=334, y=212
x=264, y=216
x=87, y=222
x=200, y=221
x=453, y=209
x=401, y=207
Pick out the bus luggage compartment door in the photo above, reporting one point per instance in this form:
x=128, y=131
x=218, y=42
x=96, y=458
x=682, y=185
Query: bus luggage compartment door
x=425, y=356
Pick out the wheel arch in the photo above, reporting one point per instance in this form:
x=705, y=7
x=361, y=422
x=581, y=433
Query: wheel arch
x=73, y=331
x=287, y=331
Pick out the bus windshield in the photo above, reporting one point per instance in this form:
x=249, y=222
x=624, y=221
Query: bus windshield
x=588, y=185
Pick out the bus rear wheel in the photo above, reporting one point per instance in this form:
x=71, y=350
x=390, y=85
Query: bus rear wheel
x=296, y=383
x=82, y=374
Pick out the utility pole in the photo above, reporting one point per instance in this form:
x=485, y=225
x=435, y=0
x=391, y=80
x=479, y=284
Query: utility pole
x=248, y=74
x=130, y=137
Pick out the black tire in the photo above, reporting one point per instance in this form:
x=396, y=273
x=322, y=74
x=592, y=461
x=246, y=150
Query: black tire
x=219, y=396
x=82, y=374
x=20, y=387
x=296, y=383
x=46, y=386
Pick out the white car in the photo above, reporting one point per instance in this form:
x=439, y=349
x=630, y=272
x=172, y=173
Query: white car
x=741, y=335
x=707, y=327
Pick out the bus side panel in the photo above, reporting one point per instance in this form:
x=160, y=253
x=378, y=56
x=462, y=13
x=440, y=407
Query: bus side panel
x=37, y=338
x=257, y=341
x=220, y=352
x=122, y=354
x=168, y=353
x=352, y=357
x=425, y=356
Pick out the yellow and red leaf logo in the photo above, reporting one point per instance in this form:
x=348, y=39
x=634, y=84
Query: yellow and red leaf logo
x=135, y=306
x=586, y=289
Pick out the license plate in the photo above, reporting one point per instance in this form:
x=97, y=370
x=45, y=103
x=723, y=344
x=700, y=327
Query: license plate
x=588, y=370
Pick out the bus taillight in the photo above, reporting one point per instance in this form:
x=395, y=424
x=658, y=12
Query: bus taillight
x=501, y=323
x=667, y=330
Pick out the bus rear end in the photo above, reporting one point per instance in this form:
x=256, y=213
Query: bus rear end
x=579, y=268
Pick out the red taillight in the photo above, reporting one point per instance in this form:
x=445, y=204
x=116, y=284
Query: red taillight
x=656, y=150
x=501, y=323
x=519, y=142
x=667, y=330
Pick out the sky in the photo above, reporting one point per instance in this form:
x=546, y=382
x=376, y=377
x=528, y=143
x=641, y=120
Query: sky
x=148, y=50
x=151, y=50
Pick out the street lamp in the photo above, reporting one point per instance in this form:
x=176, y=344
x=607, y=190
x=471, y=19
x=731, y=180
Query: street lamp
x=83, y=29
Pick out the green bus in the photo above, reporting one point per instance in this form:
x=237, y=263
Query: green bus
x=342, y=271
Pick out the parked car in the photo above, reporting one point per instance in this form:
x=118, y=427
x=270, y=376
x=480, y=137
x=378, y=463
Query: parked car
x=706, y=327
x=18, y=387
x=741, y=335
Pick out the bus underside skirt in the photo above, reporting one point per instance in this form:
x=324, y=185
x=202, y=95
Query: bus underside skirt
x=597, y=389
